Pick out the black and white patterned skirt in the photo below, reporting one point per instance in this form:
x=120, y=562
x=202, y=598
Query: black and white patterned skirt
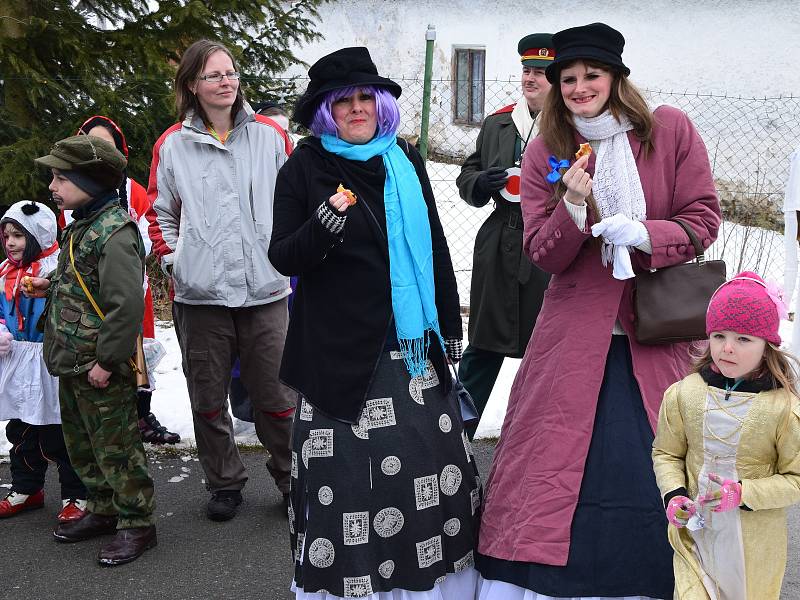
x=390, y=503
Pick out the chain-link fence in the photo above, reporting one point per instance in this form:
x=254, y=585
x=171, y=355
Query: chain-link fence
x=749, y=141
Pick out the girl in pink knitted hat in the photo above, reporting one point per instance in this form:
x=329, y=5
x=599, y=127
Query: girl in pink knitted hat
x=727, y=450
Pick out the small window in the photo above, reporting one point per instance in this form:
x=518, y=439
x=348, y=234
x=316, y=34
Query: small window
x=468, y=67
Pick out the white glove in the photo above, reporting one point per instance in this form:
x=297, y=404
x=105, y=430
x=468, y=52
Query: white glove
x=5, y=342
x=618, y=233
x=621, y=231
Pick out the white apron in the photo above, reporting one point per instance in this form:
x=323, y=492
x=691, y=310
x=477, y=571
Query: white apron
x=27, y=391
x=718, y=544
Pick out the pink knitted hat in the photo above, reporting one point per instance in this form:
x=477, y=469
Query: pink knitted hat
x=747, y=304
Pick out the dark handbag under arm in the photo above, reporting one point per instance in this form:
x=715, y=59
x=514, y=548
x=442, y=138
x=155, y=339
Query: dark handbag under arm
x=671, y=303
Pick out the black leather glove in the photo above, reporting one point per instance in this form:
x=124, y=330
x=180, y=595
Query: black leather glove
x=489, y=181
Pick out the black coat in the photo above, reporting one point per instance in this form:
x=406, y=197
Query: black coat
x=342, y=309
x=507, y=289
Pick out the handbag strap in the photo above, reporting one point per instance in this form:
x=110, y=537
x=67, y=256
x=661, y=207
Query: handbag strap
x=451, y=365
x=699, y=251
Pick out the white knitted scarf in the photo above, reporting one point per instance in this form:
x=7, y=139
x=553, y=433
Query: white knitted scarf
x=616, y=185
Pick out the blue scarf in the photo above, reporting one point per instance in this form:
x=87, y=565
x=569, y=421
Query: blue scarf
x=410, y=249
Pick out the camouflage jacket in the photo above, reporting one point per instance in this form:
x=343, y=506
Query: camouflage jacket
x=109, y=255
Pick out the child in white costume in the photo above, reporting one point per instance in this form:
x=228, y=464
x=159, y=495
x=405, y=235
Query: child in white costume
x=28, y=393
x=727, y=451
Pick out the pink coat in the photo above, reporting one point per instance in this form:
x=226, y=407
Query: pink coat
x=533, y=486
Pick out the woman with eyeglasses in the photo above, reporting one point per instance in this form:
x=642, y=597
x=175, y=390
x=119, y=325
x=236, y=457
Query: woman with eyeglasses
x=211, y=182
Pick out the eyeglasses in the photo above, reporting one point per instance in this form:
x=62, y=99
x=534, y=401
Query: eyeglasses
x=217, y=77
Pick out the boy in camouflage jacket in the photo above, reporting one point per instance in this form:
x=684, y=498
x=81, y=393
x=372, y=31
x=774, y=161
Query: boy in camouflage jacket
x=90, y=352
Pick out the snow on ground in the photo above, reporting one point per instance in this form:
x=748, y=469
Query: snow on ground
x=741, y=247
x=171, y=398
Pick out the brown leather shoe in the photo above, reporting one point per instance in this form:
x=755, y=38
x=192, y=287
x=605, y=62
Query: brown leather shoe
x=127, y=546
x=86, y=528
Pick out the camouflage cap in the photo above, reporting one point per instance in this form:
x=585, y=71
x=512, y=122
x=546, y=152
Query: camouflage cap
x=93, y=156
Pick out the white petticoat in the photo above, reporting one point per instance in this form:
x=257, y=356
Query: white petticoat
x=489, y=589
x=154, y=351
x=456, y=586
x=27, y=391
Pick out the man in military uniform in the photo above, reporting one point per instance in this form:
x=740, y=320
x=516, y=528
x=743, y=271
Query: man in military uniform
x=91, y=323
x=507, y=289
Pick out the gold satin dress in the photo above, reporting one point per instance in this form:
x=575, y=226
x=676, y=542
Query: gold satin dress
x=764, y=439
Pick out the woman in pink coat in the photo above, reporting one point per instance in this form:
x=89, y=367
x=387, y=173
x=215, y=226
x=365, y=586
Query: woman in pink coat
x=572, y=508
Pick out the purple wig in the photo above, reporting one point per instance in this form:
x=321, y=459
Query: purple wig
x=386, y=109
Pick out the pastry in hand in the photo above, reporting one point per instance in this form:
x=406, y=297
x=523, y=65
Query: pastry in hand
x=351, y=197
x=583, y=150
x=27, y=284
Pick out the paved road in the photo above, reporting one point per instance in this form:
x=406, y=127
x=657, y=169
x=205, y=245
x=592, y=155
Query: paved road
x=246, y=558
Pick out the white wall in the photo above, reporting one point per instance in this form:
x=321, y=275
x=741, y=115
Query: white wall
x=736, y=46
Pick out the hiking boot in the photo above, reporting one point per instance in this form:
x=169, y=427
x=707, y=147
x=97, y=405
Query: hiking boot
x=223, y=505
x=86, y=528
x=127, y=546
x=154, y=432
x=15, y=503
x=72, y=509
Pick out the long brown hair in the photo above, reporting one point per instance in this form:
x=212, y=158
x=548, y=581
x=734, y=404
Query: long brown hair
x=558, y=129
x=191, y=67
x=780, y=365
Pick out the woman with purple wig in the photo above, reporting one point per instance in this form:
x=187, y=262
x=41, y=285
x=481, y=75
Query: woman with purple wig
x=385, y=495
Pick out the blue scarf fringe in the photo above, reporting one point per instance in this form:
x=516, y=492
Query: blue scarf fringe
x=415, y=353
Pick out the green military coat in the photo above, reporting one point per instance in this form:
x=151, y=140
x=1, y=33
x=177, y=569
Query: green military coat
x=109, y=255
x=507, y=289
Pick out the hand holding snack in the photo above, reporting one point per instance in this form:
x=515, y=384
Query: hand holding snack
x=27, y=286
x=578, y=182
x=35, y=287
x=351, y=197
x=342, y=199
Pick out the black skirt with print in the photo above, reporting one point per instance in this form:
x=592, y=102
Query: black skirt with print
x=392, y=502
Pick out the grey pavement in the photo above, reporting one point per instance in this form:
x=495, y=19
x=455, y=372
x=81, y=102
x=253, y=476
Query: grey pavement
x=246, y=558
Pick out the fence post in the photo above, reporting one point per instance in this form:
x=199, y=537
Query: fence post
x=430, y=37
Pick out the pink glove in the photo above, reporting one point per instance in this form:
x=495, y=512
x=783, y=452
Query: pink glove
x=679, y=510
x=5, y=342
x=727, y=497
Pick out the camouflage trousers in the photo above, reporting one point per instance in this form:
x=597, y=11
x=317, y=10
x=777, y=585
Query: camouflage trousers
x=104, y=445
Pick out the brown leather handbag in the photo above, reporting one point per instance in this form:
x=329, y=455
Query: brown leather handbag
x=671, y=303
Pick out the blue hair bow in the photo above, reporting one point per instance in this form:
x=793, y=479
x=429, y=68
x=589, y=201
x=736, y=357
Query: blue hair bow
x=555, y=164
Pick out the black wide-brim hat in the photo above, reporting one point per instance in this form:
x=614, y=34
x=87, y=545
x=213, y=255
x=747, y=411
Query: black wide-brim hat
x=596, y=41
x=344, y=68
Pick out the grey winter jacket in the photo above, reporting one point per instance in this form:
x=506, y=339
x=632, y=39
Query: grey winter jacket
x=211, y=218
